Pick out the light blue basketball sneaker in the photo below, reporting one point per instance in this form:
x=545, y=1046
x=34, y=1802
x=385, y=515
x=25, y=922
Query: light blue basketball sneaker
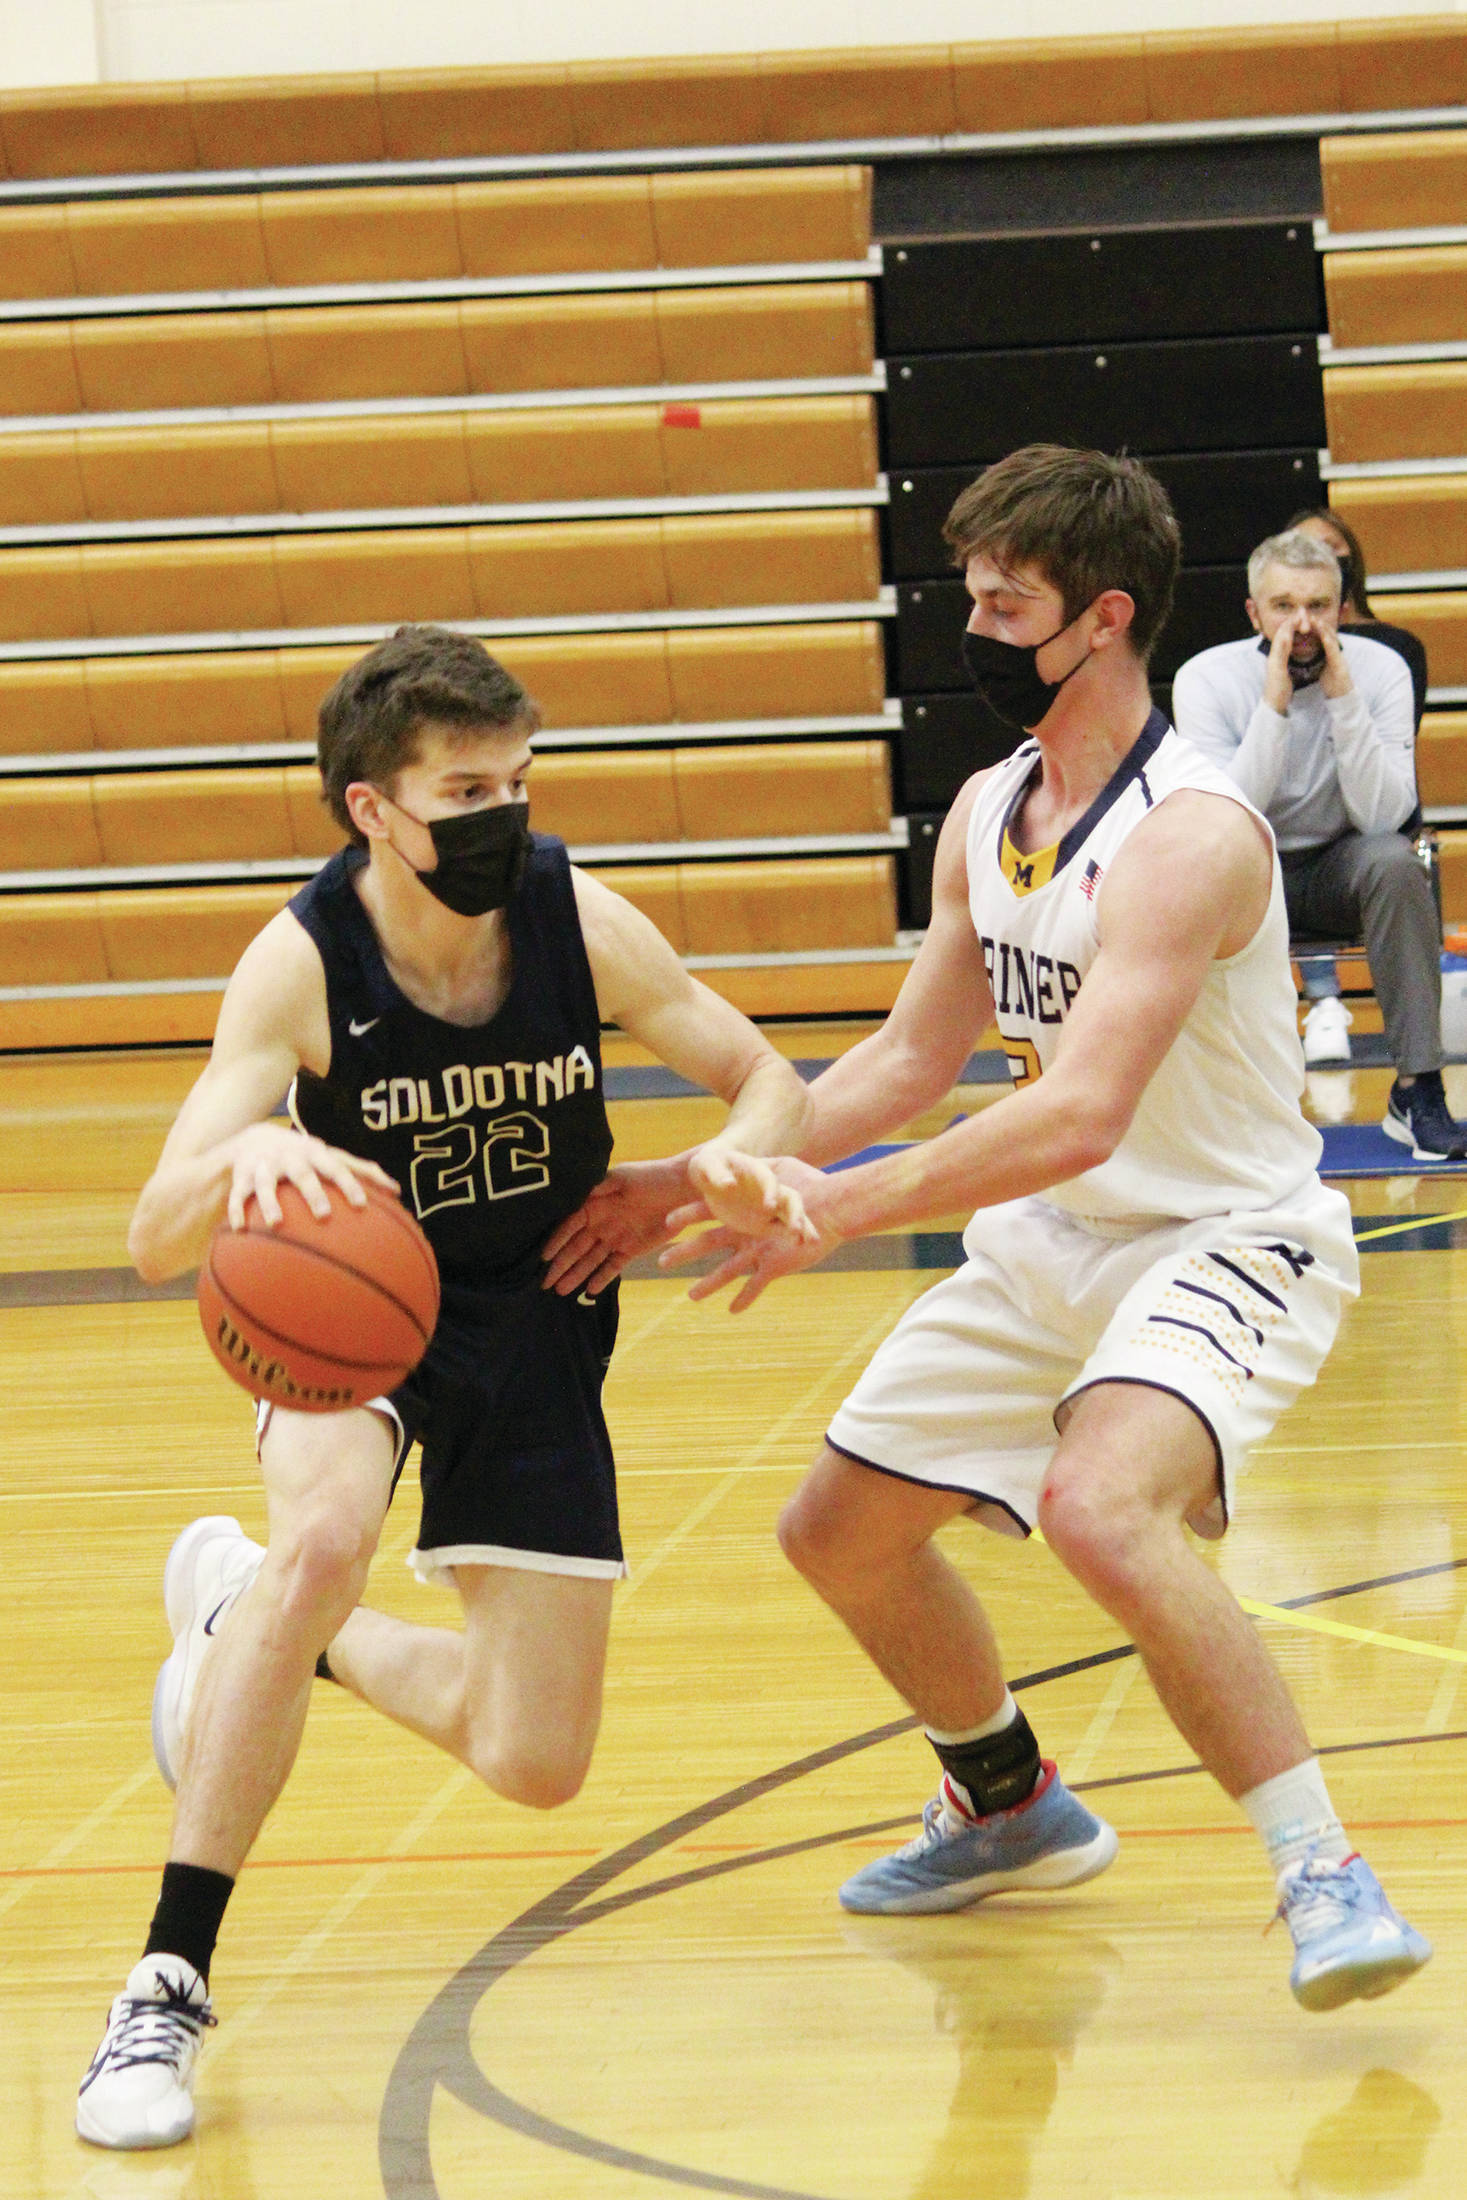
x=1048, y=1840
x=1349, y=1943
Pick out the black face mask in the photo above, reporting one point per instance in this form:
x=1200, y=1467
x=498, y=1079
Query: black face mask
x=1303, y=671
x=481, y=857
x=1006, y=676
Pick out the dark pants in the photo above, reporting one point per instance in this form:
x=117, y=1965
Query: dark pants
x=1372, y=883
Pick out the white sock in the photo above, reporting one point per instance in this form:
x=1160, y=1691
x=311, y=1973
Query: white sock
x=1295, y=1819
x=1005, y=1715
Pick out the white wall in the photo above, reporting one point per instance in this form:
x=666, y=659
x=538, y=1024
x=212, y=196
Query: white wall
x=80, y=41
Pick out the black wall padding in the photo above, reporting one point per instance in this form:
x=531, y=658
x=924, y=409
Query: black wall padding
x=1213, y=394
x=1070, y=187
x=944, y=740
x=970, y=293
x=914, y=871
x=1225, y=502
x=931, y=616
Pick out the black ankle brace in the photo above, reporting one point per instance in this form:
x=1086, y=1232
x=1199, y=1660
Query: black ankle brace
x=998, y=1771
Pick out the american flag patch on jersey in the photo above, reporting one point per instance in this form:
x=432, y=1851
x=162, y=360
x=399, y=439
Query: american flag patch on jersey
x=1090, y=880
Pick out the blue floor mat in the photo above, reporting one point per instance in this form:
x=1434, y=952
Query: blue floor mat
x=1362, y=1149
x=1350, y=1149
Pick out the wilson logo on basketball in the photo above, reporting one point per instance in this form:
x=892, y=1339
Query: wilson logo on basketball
x=271, y=1378
x=317, y=1312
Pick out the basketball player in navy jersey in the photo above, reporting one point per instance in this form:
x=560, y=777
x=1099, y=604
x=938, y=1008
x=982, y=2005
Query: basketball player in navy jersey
x=1154, y=1269
x=432, y=1004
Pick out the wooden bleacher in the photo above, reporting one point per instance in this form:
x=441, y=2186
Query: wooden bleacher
x=1395, y=380
x=177, y=588
x=384, y=346
x=1368, y=66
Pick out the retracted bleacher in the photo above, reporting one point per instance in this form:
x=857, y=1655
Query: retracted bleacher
x=623, y=427
x=1394, y=252
x=602, y=361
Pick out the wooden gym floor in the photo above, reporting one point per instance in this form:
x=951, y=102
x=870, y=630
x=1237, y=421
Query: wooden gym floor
x=425, y=1992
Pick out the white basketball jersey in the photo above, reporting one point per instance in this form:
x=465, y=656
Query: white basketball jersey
x=1218, y=1129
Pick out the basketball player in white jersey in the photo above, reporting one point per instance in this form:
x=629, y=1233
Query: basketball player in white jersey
x=1154, y=1269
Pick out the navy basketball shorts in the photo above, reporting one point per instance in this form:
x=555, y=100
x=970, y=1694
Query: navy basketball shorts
x=517, y=1468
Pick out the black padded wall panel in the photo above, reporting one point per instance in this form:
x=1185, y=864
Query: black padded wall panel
x=914, y=871
x=1192, y=181
x=1214, y=394
x=1225, y=503
x=970, y=293
x=944, y=740
x=931, y=616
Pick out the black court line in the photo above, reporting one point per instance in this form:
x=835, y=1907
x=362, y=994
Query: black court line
x=437, y=2052
x=87, y=1287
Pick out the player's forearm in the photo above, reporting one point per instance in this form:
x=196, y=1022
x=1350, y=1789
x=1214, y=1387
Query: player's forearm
x=1020, y=1145
x=868, y=1092
x=770, y=1113
x=178, y=1211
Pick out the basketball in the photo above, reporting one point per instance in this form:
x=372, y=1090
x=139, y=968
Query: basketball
x=320, y=1315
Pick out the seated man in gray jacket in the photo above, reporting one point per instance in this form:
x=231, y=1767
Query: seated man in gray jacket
x=1317, y=728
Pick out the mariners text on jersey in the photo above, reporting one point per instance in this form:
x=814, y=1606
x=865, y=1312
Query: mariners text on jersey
x=1023, y=984
x=1218, y=1125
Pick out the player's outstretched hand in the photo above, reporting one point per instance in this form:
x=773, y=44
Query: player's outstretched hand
x=268, y=1155
x=747, y=1195
x=755, y=1260
x=626, y=1214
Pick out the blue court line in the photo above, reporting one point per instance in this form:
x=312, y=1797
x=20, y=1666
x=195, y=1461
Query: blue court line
x=651, y=1082
x=913, y=1250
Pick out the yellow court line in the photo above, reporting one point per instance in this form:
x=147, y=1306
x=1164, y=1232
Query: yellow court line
x=1339, y=1627
x=1315, y=1625
x=1418, y=1222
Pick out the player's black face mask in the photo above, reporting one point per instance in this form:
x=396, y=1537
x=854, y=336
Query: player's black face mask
x=1007, y=677
x=481, y=857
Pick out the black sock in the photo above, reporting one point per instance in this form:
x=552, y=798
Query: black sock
x=189, y=1913
x=323, y=1670
x=998, y=1771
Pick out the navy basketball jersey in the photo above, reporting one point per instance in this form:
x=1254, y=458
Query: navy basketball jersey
x=494, y=1132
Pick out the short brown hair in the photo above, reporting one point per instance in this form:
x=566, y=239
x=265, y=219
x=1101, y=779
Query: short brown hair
x=369, y=723
x=1083, y=519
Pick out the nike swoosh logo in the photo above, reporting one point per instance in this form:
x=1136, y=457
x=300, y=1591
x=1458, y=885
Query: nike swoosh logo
x=222, y=1606
x=586, y=1298
x=357, y=1029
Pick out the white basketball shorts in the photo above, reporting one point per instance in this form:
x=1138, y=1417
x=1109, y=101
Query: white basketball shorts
x=1233, y=1314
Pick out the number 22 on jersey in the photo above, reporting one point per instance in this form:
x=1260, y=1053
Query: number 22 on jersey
x=511, y=1155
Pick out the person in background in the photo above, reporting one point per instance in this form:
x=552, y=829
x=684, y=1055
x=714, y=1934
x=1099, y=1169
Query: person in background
x=1327, y=1025
x=1355, y=613
x=1316, y=728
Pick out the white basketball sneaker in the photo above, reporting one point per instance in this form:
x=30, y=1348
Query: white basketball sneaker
x=137, y=2090
x=209, y=1568
x=1327, y=1033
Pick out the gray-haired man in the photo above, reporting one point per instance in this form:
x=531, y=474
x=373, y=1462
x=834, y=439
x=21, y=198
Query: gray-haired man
x=1317, y=728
